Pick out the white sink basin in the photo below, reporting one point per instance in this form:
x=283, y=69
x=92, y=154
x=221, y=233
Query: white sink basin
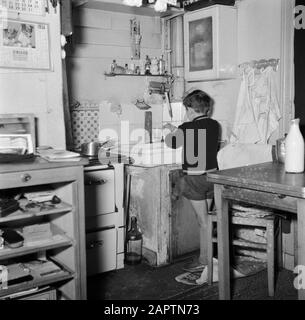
x=152, y=154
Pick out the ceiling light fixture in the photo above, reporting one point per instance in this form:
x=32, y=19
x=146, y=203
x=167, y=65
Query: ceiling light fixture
x=159, y=5
x=133, y=3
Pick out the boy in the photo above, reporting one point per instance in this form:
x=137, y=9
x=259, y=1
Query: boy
x=199, y=141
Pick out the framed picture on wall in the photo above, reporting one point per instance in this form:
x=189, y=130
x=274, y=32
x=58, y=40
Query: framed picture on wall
x=24, y=45
x=210, y=44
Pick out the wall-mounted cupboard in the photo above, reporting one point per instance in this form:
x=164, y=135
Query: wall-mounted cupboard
x=210, y=43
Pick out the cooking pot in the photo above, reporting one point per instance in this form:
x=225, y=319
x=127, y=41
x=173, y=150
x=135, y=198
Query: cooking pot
x=90, y=149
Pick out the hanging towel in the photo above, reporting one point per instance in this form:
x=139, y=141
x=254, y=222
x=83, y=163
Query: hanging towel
x=243, y=154
x=257, y=112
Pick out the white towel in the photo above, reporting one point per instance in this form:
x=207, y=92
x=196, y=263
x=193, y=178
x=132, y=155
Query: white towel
x=243, y=154
x=257, y=112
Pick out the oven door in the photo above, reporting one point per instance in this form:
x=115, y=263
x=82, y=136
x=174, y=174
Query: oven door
x=99, y=192
x=101, y=251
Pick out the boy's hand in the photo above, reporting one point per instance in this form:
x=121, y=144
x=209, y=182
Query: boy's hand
x=170, y=127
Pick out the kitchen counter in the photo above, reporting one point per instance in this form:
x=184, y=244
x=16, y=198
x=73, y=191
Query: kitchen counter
x=39, y=164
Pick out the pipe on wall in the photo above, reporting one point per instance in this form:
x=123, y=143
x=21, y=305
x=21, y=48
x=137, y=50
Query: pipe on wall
x=177, y=48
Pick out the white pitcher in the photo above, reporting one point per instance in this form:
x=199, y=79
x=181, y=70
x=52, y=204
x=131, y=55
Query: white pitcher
x=294, y=157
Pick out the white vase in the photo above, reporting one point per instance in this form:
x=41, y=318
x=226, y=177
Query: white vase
x=294, y=157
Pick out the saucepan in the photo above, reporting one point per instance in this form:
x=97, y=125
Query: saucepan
x=91, y=149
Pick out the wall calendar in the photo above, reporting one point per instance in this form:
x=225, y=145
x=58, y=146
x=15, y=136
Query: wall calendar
x=35, y=7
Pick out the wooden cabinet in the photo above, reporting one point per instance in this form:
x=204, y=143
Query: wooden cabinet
x=66, y=245
x=168, y=223
x=210, y=43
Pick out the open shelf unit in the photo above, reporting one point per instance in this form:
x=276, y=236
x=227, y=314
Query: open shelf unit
x=62, y=246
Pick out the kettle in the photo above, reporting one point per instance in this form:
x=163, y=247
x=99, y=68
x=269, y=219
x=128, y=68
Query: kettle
x=280, y=149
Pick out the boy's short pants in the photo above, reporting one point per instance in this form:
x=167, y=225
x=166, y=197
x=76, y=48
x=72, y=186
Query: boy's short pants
x=194, y=187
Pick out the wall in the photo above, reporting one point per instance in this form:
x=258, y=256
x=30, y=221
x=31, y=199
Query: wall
x=38, y=92
x=259, y=37
x=100, y=37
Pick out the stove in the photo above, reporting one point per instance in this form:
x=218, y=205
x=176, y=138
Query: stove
x=104, y=213
x=108, y=160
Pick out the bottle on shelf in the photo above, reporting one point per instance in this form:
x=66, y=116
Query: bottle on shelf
x=154, y=67
x=134, y=241
x=127, y=70
x=147, y=65
x=161, y=65
x=113, y=66
x=142, y=67
x=132, y=66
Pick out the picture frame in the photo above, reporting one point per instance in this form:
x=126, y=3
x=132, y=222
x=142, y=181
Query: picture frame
x=25, y=45
x=210, y=43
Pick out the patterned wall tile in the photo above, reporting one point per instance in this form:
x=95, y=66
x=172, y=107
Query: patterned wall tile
x=85, y=123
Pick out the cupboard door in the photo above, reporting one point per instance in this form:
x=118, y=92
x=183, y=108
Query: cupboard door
x=99, y=192
x=210, y=43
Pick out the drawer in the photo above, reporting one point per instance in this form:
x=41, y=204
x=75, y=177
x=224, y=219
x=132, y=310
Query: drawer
x=260, y=198
x=101, y=221
x=36, y=177
x=101, y=251
x=114, y=219
x=99, y=192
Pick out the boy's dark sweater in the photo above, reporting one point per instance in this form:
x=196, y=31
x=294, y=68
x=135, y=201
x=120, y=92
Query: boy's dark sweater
x=178, y=139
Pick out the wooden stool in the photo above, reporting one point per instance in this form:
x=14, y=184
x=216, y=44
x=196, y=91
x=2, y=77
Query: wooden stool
x=270, y=223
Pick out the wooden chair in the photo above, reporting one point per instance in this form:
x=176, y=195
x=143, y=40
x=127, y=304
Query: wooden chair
x=272, y=224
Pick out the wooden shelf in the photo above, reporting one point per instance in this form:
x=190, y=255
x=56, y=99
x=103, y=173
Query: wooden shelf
x=136, y=75
x=117, y=6
x=67, y=242
x=57, y=241
x=46, y=280
x=247, y=244
x=20, y=215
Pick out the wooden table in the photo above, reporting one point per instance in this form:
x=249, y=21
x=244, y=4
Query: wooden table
x=267, y=185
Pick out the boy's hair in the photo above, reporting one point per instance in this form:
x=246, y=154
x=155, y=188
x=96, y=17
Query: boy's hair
x=199, y=101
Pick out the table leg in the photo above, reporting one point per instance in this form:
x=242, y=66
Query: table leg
x=301, y=240
x=223, y=243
